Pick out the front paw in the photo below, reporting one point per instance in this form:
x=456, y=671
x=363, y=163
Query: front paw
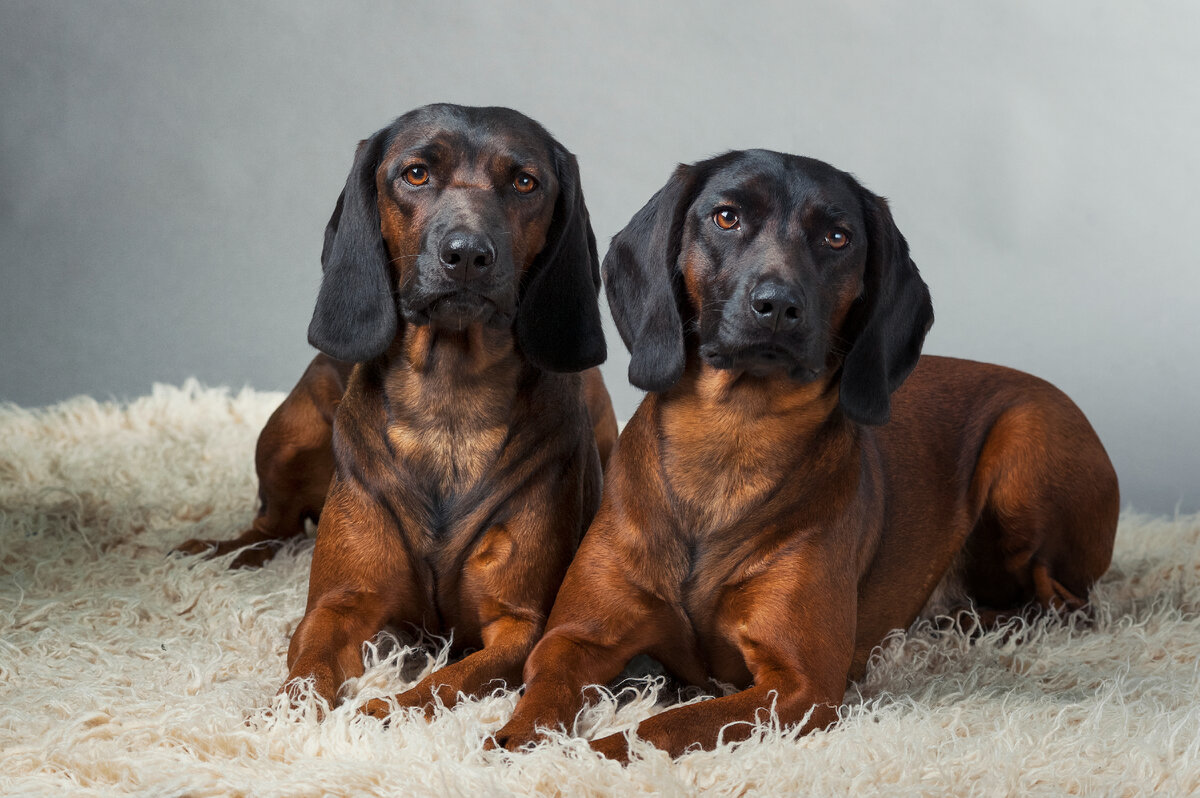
x=418, y=697
x=255, y=556
x=195, y=546
x=311, y=688
x=250, y=555
x=379, y=709
x=614, y=747
x=514, y=735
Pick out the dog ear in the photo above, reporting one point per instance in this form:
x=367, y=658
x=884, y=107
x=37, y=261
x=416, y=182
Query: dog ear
x=331, y=229
x=355, y=318
x=558, y=318
x=889, y=322
x=640, y=272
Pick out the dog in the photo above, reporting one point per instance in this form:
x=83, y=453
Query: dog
x=461, y=277
x=800, y=480
x=294, y=461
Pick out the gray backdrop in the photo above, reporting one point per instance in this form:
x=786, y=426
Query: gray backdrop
x=167, y=168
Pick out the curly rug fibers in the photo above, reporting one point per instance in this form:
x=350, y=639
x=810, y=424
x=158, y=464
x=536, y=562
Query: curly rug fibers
x=124, y=671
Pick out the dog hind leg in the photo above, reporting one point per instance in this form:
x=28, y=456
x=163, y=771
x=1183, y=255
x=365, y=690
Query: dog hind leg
x=294, y=462
x=1048, y=505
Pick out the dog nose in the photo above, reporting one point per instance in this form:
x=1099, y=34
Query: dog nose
x=775, y=306
x=466, y=254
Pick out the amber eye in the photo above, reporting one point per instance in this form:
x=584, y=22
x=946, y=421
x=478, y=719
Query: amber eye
x=416, y=175
x=726, y=219
x=837, y=239
x=525, y=183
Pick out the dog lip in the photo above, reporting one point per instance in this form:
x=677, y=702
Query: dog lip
x=804, y=374
x=759, y=359
x=432, y=300
x=759, y=351
x=715, y=357
x=455, y=309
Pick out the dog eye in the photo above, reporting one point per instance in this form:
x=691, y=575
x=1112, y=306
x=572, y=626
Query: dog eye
x=837, y=239
x=726, y=219
x=416, y=175
x=525, y=183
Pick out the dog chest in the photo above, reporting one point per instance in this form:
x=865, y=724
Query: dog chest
x=450, y=458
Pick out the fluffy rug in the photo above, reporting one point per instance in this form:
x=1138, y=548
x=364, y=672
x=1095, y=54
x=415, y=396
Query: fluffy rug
x=123, y=670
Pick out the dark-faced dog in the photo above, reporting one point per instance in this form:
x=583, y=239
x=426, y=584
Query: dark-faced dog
x=294, y=460
x=460, y=274
x=798, y=484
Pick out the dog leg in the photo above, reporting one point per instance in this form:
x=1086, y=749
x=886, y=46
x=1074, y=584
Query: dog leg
x=327, y=645
x=278, y=521
x=294, y=462
x=498, y=664
x=557, y=673
x=1049, y=507
x=730, y=718
x=360, y=582
x=600, y=621
x=794, y=627
x=507, y=584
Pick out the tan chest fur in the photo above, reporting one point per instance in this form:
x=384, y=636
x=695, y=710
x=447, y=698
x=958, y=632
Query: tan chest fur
x=451, y=411
x=456, y=455
x=732, y=442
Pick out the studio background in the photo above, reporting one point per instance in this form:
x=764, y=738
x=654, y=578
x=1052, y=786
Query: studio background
x=167, y=169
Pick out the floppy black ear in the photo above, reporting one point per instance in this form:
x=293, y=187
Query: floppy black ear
x=891, y=318
x=331, y=229
x=355, y=318
x=640, y=271
x=558, y=318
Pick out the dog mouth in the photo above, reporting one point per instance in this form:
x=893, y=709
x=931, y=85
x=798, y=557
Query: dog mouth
x=759, y=360
x=456, y=311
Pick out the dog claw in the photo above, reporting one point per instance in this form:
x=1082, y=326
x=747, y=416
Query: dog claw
x=378, y=709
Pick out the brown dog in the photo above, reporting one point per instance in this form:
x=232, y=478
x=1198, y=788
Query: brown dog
x=294, y=460
x=460, y=273
x=294, y=457
x=761, y=523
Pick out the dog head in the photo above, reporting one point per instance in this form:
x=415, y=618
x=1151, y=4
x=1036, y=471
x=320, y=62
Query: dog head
x=773, y=265
x=454, y=216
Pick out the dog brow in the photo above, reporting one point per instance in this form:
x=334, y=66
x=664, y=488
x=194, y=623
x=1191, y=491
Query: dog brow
x=824, y=213
x=433, y=151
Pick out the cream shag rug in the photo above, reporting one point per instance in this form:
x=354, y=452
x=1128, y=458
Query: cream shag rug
x=123, y=670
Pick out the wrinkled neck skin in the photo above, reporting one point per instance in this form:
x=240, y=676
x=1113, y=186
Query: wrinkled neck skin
x=448, y=402
x=454, y=377
x=731, y=441
x=449, y=354
x=735, y=410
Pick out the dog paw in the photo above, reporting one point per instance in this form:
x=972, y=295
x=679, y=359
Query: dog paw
x=511, y=737
x=614, y=747
x=255, y=556
x=379, y=709
x=195, y=546
x=250, y=555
